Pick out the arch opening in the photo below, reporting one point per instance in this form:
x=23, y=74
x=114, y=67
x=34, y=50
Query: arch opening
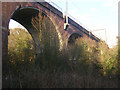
x=27, y=16
x=72, y=38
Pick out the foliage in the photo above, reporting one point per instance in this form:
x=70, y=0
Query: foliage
x=95, y=54
x=49, y=41
x=87, y=63
x=20, y=49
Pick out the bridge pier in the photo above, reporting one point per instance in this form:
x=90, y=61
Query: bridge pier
x=4, y=49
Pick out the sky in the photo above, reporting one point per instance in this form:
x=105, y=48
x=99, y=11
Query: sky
x=100, y=15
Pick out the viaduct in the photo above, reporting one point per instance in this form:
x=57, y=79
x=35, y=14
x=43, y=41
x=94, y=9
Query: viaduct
x=23, y=12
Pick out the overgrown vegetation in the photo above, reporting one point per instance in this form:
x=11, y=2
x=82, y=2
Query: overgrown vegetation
x=87, y=64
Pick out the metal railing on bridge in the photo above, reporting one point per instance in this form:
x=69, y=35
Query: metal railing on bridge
x=71, y=17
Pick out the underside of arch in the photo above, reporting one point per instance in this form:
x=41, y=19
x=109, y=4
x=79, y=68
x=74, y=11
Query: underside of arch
x=73, y=37
x=24, y=16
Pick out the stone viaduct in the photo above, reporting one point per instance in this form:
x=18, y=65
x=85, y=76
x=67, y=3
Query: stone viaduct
x=23, y=13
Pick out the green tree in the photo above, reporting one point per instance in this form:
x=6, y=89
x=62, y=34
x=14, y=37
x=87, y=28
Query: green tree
x=49, y=41
x=21, y=48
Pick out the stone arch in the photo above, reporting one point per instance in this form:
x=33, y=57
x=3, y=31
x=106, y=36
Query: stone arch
x=24, y=17
x=73, y=37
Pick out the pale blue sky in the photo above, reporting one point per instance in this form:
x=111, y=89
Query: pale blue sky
x=94, y=14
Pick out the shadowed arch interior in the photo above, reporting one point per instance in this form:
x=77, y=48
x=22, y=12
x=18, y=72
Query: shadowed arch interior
x=73, y=37
x=24, y=16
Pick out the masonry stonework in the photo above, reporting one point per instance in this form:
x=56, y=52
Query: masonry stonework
x=56, y=17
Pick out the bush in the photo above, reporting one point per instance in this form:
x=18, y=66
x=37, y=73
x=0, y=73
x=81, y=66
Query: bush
x=21, y=49
x=86, y=64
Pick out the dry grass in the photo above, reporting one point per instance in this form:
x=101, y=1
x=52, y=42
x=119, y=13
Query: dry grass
x=54, y=69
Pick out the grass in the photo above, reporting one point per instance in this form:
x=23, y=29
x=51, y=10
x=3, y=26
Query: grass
x=82, y=66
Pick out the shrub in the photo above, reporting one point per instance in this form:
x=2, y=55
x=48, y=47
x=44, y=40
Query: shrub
x=21, y=49
x=86, y=64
